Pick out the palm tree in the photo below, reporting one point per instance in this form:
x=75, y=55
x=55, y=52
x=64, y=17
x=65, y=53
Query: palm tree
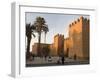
x=39, y=25
x=29, y=32
x=45, y=29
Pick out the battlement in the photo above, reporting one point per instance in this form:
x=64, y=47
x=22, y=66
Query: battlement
x=58, y=35
x=81, y=19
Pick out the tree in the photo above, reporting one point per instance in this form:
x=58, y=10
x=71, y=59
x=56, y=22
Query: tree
x=45, y=29
x=29, y=32
x=39, y=24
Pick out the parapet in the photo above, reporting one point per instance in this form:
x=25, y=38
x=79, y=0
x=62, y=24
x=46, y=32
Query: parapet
x=59, y=35
x=78, y=20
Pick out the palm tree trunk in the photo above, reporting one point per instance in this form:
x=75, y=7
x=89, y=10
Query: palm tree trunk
x=39, y=47
x=28, y=45
x=28, y=48
x=45, y=38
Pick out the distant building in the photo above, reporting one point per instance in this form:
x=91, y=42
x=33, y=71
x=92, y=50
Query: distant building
x=42, y=45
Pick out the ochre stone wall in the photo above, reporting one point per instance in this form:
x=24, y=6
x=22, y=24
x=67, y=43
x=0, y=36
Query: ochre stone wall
x=59, y=44
x=79, y=36
x=35, y=46
x=85, y=38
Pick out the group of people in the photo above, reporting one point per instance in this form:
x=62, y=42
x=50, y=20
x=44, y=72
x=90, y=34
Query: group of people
x=61, y=60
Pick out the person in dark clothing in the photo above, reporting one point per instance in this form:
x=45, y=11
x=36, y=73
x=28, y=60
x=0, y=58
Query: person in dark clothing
x=75, y=57
x=33, y=56
x=63, y=59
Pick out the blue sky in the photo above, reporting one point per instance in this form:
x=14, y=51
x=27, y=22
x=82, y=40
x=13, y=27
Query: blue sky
x=57, y=23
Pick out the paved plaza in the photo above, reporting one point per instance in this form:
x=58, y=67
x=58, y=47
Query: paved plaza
x=41, y=61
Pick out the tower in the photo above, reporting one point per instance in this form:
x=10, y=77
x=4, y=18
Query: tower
x=79, y=37
x=59, y=44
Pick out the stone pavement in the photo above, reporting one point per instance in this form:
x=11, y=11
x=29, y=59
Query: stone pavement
x=42, y=62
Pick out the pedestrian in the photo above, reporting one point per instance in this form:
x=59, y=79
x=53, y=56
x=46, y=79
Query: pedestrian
x=45, y=57
x=33, y=56
x=63, y=59
x=75, y=56
x=58, y=61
